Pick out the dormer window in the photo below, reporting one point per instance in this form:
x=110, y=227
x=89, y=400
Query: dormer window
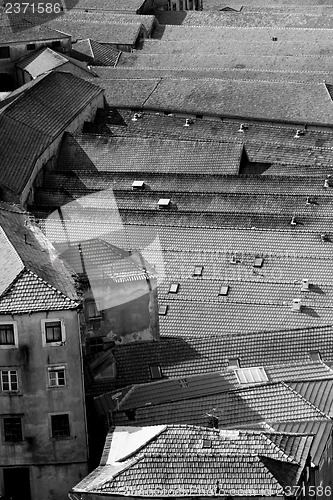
x=155, y=372
x=251, y=375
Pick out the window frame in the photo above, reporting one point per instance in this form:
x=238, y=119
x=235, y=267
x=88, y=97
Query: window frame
x=14, y=325
x=9, y=441
x=31, y=46
x=57, y=414
x=56, y=369
x=55, y=343
x=10, y=390
x=94, y=303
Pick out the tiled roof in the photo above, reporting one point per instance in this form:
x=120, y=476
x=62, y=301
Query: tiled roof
x=111, y=154
x=31, y=266
x=180, y=389
x=295, y=102
x=114, y=33
x=95, y=53
x=11, y=32
x=29, y=293
x=148, y=21
x=109, y=5
x=179, y=357
x=173, y=459
x=263, y=403
x=56, y=99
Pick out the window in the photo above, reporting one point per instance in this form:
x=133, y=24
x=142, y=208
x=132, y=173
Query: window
x=198, y=271
x=234, y=362
x=258, y=262
x=60, y=425
x=173, y=288
x=53, y=332
x=164, y=203
x=9, y=380
x=31, y=46
x=12, y=427
x=57, y=376
x=155, y=372
x=96, y=344
x=274, y=39
x=206, y=443
x=315, y=356
x=162, y=311
x=56, y=44
x=251, y=375
x=8, y=335
x=224, y=289
x=138, y=185
x=93, y=310
x=183, y=382
x=4, y=53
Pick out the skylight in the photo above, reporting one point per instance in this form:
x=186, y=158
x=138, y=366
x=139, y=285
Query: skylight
x=138, y=185
x=206, y=443
x=234, y=362
x=174, y=288
x=315, y=356
x=162, y=310
x=251, y=375
x=155, y=372
x=164, y=202
x=224, y=289
x=258, y=262
x=198, y=271
x=183, y=382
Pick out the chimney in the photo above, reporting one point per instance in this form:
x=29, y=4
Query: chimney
x=293, y=221
x=188, y=122
x=299, y=133
x=297, y=305
x=305, y=285
x=324, y=237
x=136, y=117
x=326, y=184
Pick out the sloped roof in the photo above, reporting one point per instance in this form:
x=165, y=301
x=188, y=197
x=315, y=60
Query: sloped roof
x=179, y=357
x=152, y=154
x=46, y=59
x=95, y=52
x=25, y=31
x=240, y=407
x=109, y=5
x=235, y=458
x=32, y=276
x=40, y=112
x=318, y=392
x=112, y=32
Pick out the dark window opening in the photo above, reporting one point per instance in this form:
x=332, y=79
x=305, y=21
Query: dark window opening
x=200, y=117
x=155, y=372
x=53, y=331
x=31, y=46
x=12, y=429
x=95, y=344
x=7, y=335
x=93, y=312
x=4, y=53
x=56, y=44
x=130, y=414
x=60, y=425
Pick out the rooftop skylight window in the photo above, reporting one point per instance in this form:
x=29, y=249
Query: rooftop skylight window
x=138, y=185
x=164, y=203
x=206, y=443
x=315, y=356
x=234, y=362
x=251, y=375
x=258, y=262
x=155, y=372
x=162, y=310
x=183, y=382
x=224, y=289
x=174, y=288
x=198, y=271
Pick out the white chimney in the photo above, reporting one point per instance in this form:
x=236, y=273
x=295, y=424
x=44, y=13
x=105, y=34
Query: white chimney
x=293, y=221
x=326, y=184
x=297, y=305
x=242, y=127
x=299, y=133
x=188, y=122
x=305, y=285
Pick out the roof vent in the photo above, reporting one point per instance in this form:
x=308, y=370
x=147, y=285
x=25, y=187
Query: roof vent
x=162, y=310
x=309, y=200
x=293, y=221
x=242, y=127
x=164, y=203
x=324, y=237
x=326, y=184
x=274, y=39
x=174, y=288
x=258, y=262
x=305, y=285
x=224, y=290
x=233, y=260
x=297, y=305
x=137, y=117
x=188, y=122
x=138, y=185
x=183, y=382
x=213, y=419
x=299, y=133
x=234, y=362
